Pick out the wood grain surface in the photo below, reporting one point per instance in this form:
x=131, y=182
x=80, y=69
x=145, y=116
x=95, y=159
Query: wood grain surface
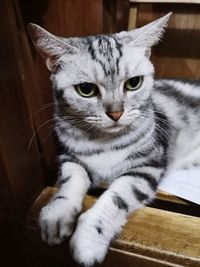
x=152, y=237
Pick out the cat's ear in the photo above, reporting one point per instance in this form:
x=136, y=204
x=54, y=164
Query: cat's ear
x=148, y=35
x=49, y=46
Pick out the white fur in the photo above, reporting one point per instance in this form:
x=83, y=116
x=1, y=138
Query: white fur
x=63, y=211
x=185, y=156
x=109, y=217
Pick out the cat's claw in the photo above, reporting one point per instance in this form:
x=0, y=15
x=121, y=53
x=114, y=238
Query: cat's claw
x=88, y=245
x=56, y=222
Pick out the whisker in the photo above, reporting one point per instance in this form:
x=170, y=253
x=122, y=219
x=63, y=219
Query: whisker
x=52, y=131
x=159, y=119
x=158, y=127
x=36, y=131
x=42, y=108
x=48, y=105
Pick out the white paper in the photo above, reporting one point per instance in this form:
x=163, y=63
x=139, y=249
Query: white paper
x=183, y=183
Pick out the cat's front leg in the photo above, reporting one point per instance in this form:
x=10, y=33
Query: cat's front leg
x=99, y=225
x=57, y=218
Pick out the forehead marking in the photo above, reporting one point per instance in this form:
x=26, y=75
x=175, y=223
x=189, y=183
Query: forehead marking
x=107, y=52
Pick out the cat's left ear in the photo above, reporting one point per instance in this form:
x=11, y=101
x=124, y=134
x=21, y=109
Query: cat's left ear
x=49, y=46
x=146, y=36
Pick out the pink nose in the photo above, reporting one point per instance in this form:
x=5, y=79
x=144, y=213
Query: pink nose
x=115, y=115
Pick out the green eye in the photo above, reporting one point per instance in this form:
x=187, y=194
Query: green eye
x=86, y=89
x=133, y=83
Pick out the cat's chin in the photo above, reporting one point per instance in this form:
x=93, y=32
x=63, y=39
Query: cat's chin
x=114, y=129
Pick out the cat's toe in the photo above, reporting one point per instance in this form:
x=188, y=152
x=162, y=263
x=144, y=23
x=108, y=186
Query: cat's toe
x=56, y=224
x=89, y=246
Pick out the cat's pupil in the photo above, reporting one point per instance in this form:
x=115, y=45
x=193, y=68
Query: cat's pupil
x=86, y=88
x=134, y=81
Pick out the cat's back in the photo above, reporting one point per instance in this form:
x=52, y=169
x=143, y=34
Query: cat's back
x=180, y=102
x=182, y=92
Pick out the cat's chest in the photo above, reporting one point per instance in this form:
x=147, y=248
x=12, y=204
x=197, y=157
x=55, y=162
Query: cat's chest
x=106, y=165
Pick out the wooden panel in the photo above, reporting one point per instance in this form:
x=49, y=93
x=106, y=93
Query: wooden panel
x=177, y=55
x=20, y=169
x=65, y=18
x=115, y=15
x=122, y=15
x=151, y=237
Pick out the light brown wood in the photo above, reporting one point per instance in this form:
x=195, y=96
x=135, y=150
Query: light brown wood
x=132, y=16
x=161, y=195
x=153, y=237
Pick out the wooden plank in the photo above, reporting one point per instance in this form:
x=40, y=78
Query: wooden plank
x=132, y=17
x=152, y=236
x=177, y=55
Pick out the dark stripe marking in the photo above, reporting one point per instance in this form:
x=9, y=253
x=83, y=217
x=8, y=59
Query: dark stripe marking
x=156, y=163
x=139, y=195
x=144, y=154
x=46, y=230
x=59, y=197
x=58, y=229
x=120, y=203
x=162, y=133
x=63, y=181
x=147, y=177
x=59, y=94
x=171, y=91
x=70, y=157
x=99, y=229
x=72, y=153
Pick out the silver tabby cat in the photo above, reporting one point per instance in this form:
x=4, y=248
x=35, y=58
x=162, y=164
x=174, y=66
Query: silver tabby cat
x=117, y=125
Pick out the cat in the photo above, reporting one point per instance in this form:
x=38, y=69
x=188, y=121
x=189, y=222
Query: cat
x=117, y=125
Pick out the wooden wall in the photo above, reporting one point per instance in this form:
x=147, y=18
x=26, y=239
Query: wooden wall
x=178, y=54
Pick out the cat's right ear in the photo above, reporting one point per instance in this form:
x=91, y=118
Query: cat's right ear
x=49, y=46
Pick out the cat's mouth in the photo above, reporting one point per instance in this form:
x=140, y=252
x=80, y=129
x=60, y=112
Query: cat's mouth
x=114, y=128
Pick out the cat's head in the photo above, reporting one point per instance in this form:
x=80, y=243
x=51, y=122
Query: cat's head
x=104, y=80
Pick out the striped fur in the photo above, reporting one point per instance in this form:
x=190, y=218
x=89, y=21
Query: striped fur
x=157, y=132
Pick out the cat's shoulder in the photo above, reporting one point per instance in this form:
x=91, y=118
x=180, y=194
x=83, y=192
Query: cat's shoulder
x=175, y=87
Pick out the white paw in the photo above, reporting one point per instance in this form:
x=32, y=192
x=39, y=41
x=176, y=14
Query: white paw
x=56, y=221
x=89, y=243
